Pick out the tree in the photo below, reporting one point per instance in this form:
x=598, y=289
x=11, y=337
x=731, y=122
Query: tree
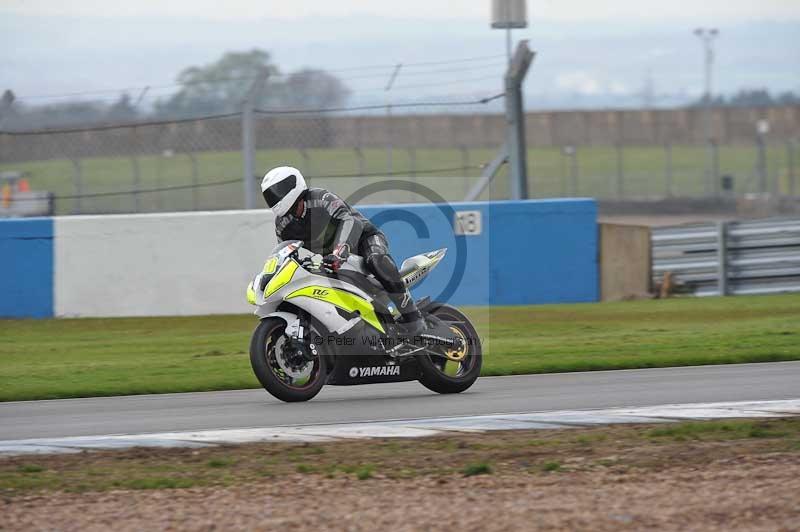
x=7, y=99
x=751, y=98
x=788, y=98
x=219, y=87
x=313, y=89
x=122, y=110
x=7, y=111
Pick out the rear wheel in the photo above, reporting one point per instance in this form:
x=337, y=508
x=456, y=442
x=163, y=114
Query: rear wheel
x=452, y=370
x=283, y=368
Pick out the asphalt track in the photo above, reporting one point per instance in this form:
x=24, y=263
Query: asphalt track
x=380, y=402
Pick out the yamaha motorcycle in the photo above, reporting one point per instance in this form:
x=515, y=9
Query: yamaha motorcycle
x=341, y=328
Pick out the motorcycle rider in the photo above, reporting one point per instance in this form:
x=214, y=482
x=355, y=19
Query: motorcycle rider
x=329, y=226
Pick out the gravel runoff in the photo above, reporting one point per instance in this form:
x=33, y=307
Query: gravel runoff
x=759, y=492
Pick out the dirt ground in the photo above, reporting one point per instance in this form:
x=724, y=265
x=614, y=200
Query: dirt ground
x=712, y=476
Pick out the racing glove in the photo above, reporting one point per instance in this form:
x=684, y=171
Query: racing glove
x=332, y=262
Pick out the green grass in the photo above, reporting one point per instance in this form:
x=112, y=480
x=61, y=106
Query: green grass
x=219, y=462
x=30, y=468
x=304, y=468
x=49, y=359
x=364, y=472
x=549, y=174
x=549, y=467
x=155, y=483
x=620, y=448
x=477, y=468
x=718, y=430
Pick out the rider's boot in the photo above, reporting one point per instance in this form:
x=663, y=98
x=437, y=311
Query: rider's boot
x=412, y=321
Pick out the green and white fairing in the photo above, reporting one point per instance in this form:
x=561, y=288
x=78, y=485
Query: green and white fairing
x=284, y=278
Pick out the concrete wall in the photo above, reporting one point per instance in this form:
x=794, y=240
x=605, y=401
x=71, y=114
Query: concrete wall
x=625, y=262
x=731, y=125
x=159, y=264
x=199, y=263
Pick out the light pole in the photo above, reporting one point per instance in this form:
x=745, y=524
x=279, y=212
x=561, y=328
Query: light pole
x=707, y=36
x=508, y=15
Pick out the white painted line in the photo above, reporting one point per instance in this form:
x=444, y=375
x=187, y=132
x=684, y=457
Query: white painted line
x=412, y=428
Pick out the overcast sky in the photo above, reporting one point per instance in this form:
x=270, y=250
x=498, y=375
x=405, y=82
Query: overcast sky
x=723, y=10
x=587, y=49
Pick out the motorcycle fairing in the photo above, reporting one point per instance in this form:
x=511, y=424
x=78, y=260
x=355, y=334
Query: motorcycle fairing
x=353, y=292
x=342, y=299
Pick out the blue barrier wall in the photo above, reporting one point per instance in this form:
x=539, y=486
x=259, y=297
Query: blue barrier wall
x=535, y=251
x=528, y=252
x=26, y=268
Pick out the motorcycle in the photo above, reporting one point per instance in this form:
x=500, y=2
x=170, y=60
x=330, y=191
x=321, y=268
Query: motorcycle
x=341, y=328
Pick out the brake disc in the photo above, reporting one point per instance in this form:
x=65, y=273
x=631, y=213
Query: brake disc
x=457, y=354
x=294, y=372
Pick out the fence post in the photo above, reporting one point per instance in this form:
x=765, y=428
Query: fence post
x=722, y=258
x=620, y=172
x=249, y=139
x=464, y=158
x=412, y=159
x=574, y=170
x=157, y=200
x=389, y=146
x=761, y=163
x=307, y=164
x=714, y=147
x=569, y=156
x=360, y=158
x=790, y=146
x=137, y=183
x=77, y=179
x=668, y=168
x=515, y=121
x=193, y=161
x=248, y=155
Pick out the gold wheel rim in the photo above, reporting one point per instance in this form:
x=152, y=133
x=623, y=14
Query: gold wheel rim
x=457, y=355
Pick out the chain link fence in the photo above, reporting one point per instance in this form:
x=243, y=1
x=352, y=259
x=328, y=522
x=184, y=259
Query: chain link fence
x=199, y=164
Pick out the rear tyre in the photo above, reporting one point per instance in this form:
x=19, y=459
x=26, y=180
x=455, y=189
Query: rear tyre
x=279, y=373
x=443, y=375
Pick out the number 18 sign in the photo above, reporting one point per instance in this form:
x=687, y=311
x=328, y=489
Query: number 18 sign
x=467, y=223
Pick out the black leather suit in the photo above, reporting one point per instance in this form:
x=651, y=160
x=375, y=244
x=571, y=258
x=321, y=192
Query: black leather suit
x=328, y=221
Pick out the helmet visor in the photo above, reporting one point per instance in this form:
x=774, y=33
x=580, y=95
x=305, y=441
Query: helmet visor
x=278, y=191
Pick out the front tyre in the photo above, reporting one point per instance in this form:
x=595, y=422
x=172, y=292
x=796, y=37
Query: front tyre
x=456, y=373
x=281, y=369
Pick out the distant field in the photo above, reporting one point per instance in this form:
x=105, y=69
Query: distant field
x=550, y=174
x=96, y=357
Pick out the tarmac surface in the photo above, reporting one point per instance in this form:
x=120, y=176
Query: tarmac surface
x=243, y=409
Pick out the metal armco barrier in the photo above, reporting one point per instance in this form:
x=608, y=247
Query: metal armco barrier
x=33, y=203
x=728, y=258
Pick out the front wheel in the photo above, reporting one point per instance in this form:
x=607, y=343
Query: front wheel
x=281, y=367
x=452, y=371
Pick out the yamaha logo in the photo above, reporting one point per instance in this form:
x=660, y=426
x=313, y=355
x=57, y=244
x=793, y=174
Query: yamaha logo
x=375, y=371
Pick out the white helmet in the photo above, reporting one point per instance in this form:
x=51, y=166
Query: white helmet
x=281, y=187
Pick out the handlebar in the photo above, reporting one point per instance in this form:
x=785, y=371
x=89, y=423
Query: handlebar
x=308, y=264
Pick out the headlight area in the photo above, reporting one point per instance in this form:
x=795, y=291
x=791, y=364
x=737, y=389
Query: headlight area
x=251, y=294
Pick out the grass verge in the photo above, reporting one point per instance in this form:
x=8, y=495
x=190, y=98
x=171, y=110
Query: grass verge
x=53, y=359
x=596, y=167
x=543, y=452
